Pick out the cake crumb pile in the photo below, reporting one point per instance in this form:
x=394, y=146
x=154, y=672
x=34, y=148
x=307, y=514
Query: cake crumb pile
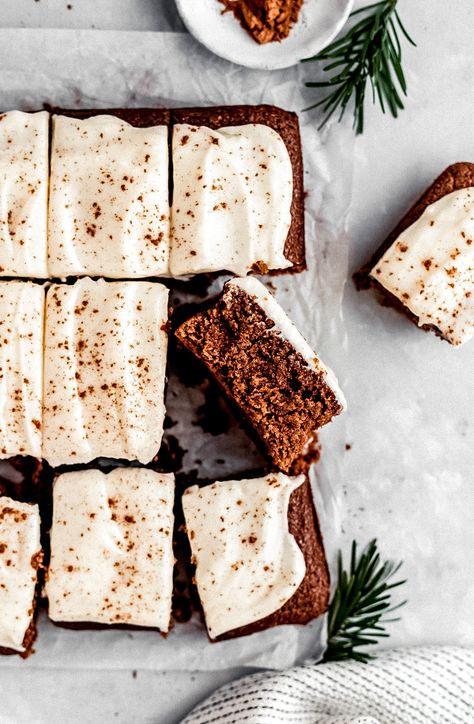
x=266, y=21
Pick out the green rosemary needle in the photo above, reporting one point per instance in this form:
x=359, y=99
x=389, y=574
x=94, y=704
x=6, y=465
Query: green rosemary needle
x=360, y=603
x=370, y=52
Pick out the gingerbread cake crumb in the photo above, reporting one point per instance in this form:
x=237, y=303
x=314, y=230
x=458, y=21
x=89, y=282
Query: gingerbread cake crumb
x=266, y=21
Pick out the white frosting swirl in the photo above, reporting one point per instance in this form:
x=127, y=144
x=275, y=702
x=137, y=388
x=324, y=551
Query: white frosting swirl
x=232, y=196
x=111, y=548
x=430, y=267
x=247, y=563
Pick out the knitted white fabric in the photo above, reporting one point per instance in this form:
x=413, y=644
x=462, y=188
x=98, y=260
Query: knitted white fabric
x=404, y=686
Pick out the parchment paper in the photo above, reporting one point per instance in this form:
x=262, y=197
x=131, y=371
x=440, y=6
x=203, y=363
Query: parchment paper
x=106, y=69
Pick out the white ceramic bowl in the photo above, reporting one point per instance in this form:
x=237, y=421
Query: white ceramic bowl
x=318, y=23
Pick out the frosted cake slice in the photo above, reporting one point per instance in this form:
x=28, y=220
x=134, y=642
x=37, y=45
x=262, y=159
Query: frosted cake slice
x=425, y=267
x=238, y=201
x=258, y=553
x=265, y=366
x=109, y=205
x=112, y=548
x=20, y=559
x=24, y=177
x=21, y=368
x=105, y=367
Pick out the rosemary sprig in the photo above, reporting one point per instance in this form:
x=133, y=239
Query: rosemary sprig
x=360, y=602
x=369, y=52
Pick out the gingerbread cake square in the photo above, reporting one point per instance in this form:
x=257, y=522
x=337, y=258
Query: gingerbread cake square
x=109, y=201
x=24, y=160
x=258, y=553
x=21, y=365
x=20, y=559
x=105, y=367
x=238, y=191
x=111, y=548
x=267, y=369
x=425, y=267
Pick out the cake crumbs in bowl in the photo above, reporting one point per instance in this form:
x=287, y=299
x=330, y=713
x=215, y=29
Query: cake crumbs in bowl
x=266, y=21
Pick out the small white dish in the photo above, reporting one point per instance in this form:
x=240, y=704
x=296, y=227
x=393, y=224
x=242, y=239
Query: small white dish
x=319, y=22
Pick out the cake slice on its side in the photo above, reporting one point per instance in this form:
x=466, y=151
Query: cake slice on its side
x=425, y=267
x=239, y=168
x=104, y=371
x=20, y=558
x=267, y=369
x=112, y=549
x=258, y=553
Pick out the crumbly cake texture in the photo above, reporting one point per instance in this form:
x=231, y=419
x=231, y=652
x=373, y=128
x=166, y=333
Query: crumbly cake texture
x=281, y=398
x=20, y=559
x=311, y=597
x=286, y=125
x=21, y=354
x=247, y=562
x=454, y=178
x=111, y=548
x=104, y=371
x=24, y=154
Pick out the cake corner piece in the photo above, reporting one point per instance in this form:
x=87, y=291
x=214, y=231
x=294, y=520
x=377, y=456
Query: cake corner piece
x=24, y=155
x=276, y=572
x=425, y=267
x=286, y=125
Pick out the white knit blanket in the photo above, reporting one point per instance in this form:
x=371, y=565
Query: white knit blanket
x=403, y=686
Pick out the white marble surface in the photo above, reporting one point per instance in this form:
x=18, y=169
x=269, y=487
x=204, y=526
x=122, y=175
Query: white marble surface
x=394, y=161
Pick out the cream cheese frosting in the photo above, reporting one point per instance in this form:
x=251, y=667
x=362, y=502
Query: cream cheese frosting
x=20, y=549
x=285, y=327
x=430, y=267
x=24, y=173
x=21, y=368
x=247, y=563
x=109, y=206
x=232, y=196
x=104, y=375
x=111, y=548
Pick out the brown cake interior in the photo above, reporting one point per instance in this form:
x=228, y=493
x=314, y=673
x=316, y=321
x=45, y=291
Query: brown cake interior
x=280, y=397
